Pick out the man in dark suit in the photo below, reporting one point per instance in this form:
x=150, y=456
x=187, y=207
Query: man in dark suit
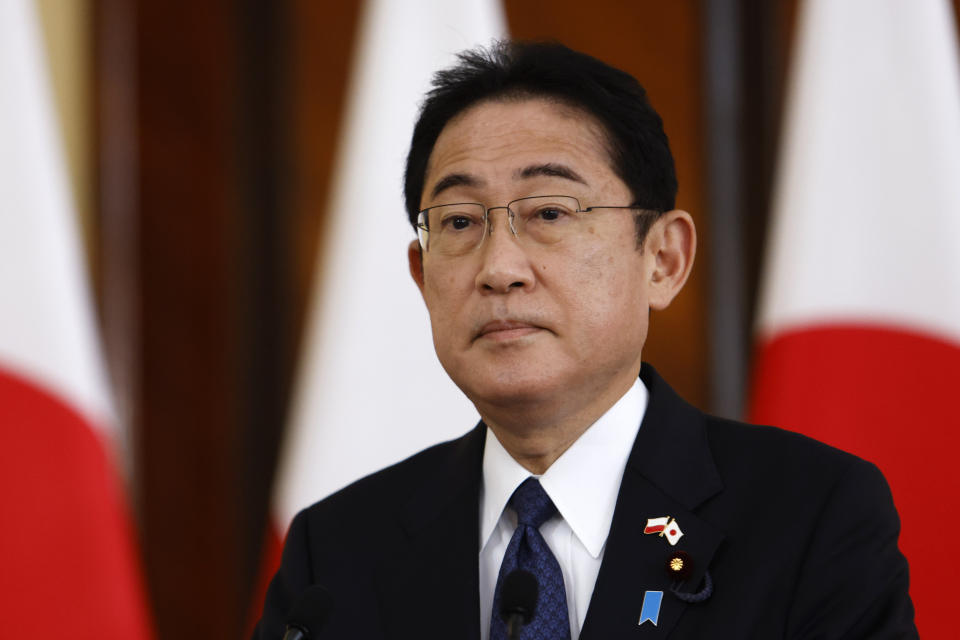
x=542, y=187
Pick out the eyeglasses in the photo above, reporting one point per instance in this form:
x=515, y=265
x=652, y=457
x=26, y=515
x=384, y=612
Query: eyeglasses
x=458, y=229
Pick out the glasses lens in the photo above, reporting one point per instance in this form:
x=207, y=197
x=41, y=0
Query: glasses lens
x=547, y=219
x=423, y=234
x=455, y=229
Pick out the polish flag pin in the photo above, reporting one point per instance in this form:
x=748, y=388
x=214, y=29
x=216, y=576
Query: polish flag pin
x=666, y=527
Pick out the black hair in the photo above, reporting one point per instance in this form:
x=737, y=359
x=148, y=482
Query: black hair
x=638, y=147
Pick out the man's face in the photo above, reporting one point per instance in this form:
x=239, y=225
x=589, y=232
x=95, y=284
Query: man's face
x=517, y=325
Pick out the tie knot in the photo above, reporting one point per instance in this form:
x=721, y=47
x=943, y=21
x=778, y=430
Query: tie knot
x=532, y=504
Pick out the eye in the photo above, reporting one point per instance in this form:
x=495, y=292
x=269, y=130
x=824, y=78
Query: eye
x=457, y=222
x=460, y=222
x=549, y=213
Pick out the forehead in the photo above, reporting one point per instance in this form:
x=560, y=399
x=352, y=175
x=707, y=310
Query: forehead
x=495, y=143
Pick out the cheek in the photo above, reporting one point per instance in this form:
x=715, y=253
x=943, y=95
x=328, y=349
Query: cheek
x=595, y=268
x=441, y=283
x=444, y=295
x=606, y=290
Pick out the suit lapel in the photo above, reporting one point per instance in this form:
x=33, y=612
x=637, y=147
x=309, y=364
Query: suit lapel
x=670, y=472
x=429, y=589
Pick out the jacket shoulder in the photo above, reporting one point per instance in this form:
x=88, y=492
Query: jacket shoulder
x=775, y=450
x=828, y=517
x=339, y=541
x=388, y=490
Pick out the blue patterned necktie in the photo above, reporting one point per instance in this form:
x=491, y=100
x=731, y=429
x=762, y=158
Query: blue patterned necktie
x=529, y=551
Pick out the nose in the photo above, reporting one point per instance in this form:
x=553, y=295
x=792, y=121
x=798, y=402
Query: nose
x=505, y=265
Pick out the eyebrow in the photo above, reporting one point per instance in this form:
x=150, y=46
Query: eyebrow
x=455, y=180
x=550, y=169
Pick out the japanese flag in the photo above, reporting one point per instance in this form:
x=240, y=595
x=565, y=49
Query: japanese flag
x=672, y=532
x=68, y=561
x=858, y=338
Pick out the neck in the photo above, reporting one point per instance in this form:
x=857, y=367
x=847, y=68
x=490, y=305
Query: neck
x=538, y=449
x=535, y=436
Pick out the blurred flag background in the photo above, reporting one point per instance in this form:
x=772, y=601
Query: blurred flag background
x=68, y=558
x=355, y=375
x=859, y=320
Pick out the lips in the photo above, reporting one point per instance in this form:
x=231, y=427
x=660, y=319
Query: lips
x=505, y=329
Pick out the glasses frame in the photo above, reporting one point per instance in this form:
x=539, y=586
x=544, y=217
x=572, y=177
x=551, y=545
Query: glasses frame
x=423, y=234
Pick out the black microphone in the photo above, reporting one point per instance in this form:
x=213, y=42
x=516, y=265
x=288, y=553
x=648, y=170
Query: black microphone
x=308, y=613
x=518, y=600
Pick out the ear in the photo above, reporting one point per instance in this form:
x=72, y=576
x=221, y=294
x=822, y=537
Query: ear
x=670, y=246
x=415, y=260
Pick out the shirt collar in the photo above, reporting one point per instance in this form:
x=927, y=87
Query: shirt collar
x=583, y=482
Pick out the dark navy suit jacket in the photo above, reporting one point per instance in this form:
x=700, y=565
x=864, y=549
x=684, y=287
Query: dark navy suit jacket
x=800, y=540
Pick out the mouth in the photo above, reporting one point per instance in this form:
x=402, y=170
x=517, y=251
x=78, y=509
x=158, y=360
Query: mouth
x=504, y=330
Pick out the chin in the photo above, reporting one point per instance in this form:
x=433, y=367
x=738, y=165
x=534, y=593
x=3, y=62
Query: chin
x=506, y=388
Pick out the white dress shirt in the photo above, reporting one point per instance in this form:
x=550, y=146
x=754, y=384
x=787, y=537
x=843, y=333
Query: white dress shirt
x=583, y=484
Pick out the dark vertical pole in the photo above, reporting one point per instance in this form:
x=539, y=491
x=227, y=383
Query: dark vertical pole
x=727, y=306
x=766, y=30
x=264, y=288
x=117, y=279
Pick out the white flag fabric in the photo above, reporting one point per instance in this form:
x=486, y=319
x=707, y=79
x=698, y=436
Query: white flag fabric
x=66, y=544
x=672, y=532
x=858, y=337
x=370, y=389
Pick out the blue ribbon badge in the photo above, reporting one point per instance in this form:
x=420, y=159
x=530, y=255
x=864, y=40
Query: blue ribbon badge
x=651, y=607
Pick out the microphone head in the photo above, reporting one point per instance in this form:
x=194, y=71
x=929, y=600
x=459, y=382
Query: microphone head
x=310, y=610
x=519, y=595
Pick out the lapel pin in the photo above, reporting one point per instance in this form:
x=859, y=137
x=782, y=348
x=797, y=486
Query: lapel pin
x=679, y=566
x=666, y=527
x=650, y=611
